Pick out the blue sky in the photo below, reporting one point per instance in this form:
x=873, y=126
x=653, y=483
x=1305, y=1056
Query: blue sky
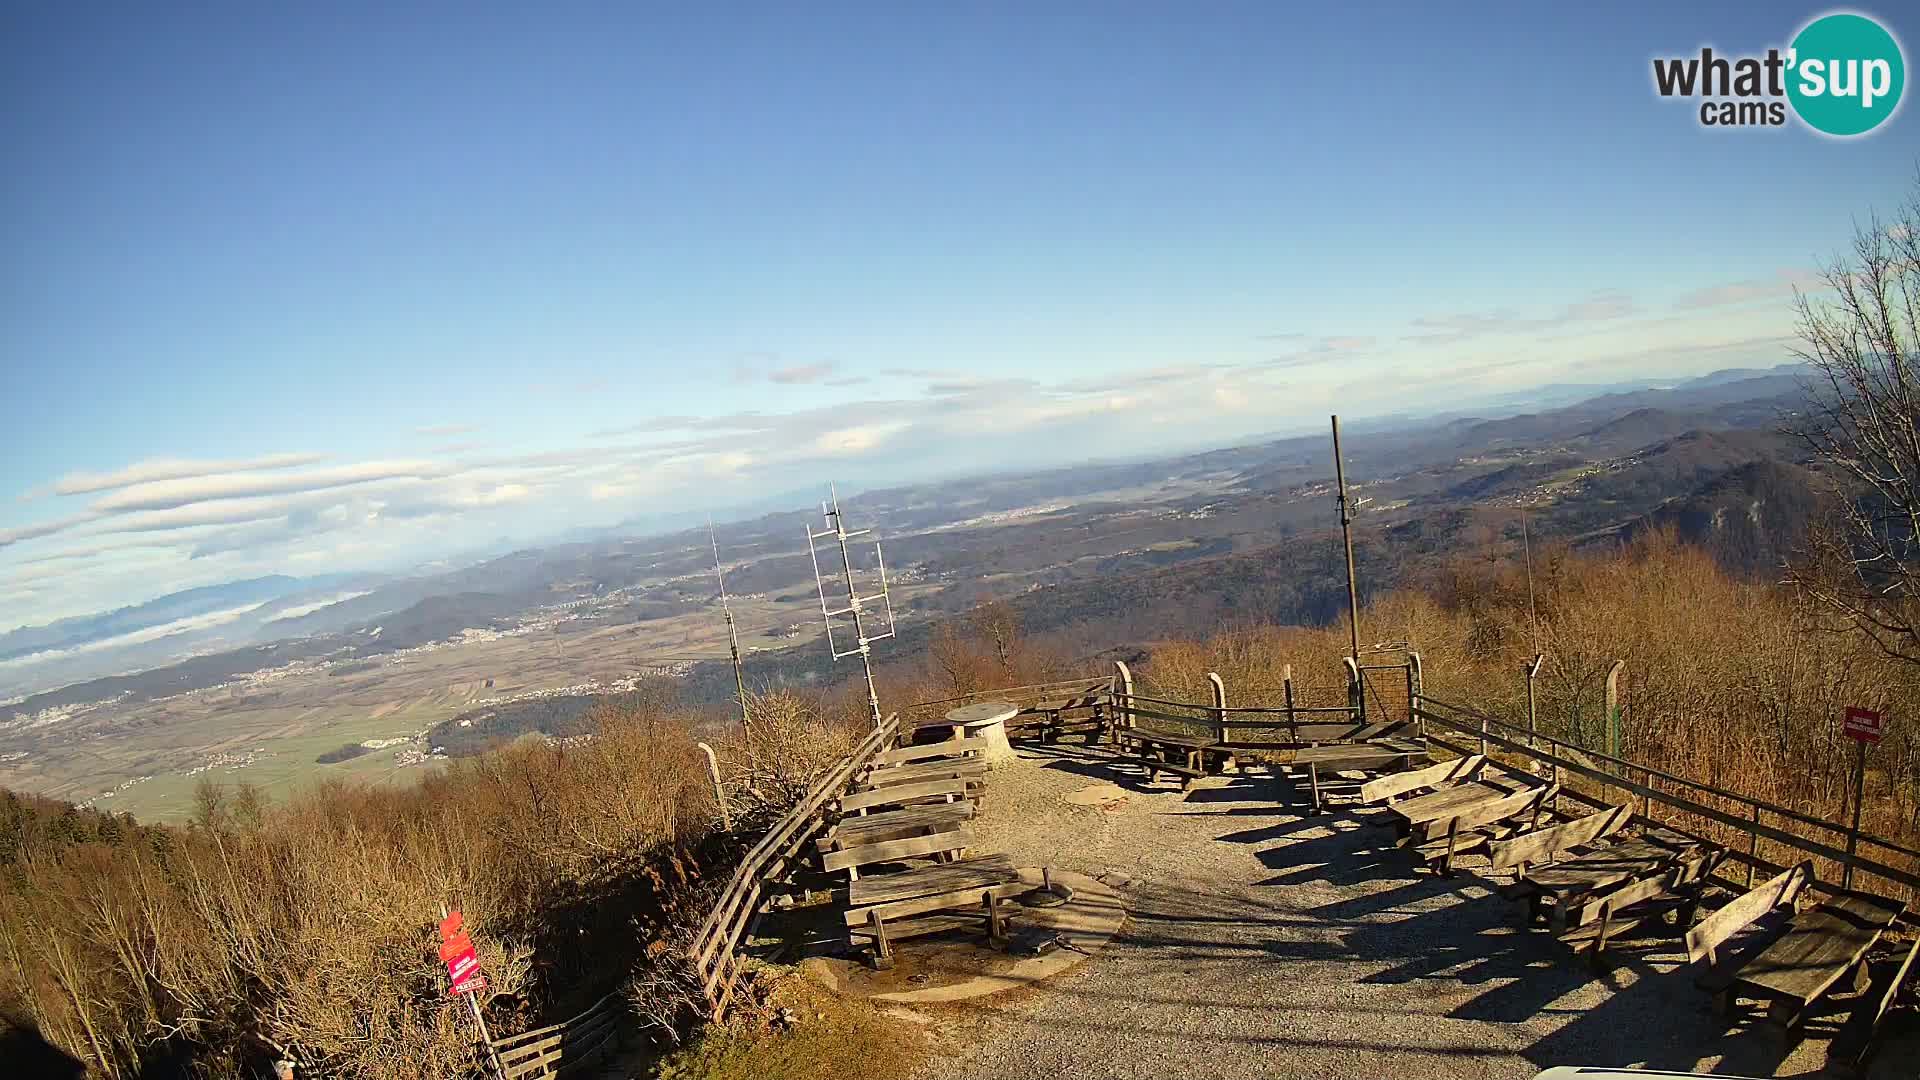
x=356, y=287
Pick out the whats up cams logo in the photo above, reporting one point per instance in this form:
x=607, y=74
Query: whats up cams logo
x=1842, y=76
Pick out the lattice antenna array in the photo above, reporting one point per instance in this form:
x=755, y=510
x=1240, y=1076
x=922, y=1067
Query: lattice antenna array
x=859, y=610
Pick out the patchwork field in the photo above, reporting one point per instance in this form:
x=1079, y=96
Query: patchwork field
x=146, y=759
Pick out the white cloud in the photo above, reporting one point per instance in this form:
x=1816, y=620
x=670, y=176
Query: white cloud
x=163, y=494
x=174, y=469
x=857, y=439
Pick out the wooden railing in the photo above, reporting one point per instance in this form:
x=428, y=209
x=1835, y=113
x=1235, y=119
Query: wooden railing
x=716, y=946
x=1736, y=813
x=559, y=1048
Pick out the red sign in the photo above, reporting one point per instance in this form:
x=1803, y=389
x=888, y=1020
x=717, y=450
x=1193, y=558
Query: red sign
x=456, y=949
x=1865, y=725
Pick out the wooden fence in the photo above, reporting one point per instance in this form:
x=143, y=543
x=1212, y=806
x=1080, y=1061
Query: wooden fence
x=557, y=1049
x=1745, y=825
x=1750, y=820
x=716, y=946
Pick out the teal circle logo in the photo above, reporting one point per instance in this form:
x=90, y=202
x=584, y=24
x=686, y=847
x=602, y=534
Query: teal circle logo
x=1846, y=73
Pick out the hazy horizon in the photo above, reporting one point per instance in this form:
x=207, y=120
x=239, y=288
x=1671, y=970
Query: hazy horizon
x=307, y=292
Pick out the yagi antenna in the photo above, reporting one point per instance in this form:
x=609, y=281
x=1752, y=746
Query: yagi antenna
x=733, y=633
x=856, y=604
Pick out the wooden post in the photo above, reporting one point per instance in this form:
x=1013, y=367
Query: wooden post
x=1219, y=706
x=1859, y=789
x=1753, y=844
x=1286, y=685
x=1415, y=680
x=1483, y=734
x=719, y=793
x=1613, y=708
x=1356, y=690
x=1533, y=702
x=1123, y=709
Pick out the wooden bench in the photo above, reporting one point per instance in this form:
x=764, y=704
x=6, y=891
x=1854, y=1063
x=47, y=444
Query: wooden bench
x=1386, y=755
x=1385, y=789
x=971, y=769
x=895, y=825
x=1437, y=842
x=940, y=847
x=1643, y=902
x=1547, y=844
x=1563, y=887
x=1713, y=965
x=945, y=748
x=886, y=907
x=952, y=789
x=1818, y=949
x=1152, y=750
x=1075, y=714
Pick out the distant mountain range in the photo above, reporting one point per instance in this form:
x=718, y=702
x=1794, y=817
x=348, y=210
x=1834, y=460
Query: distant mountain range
x=1685, y=435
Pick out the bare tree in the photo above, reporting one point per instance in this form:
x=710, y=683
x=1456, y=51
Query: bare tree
x=1863, y=424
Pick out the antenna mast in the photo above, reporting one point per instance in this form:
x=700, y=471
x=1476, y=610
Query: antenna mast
x=1346, y=536
x=733, y=633
x=856, y=603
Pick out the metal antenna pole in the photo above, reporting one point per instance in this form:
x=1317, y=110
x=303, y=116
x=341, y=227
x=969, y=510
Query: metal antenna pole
x=733, y=633
x=856, y=603
x=1346, y=536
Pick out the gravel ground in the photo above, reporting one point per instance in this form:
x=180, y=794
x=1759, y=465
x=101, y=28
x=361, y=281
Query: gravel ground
x=1262, y=944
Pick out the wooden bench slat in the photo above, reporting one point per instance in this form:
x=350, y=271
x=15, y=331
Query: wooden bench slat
x=898, y=794
x=1545, y=843
x=1003, y=885
x=950, y=748
x=913, y=847
x=1386, y=787
x=923, y=771
x=1777, y=891
x=931, y=880
x=894, y=825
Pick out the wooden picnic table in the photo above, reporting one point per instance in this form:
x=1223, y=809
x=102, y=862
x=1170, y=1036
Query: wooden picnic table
x=1816, y=951
x=1385, y=755
x=1616, y=864
x=1447, y=802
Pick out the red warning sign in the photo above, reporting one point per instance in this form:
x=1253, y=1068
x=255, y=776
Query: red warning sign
x=456, y=950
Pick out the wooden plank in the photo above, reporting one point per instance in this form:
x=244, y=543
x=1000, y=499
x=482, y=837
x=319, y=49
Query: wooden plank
x=1638, y=891
x=1820, y=947
x=1543, y=844
x=1447, y=772
x=950, y=748
x=895, y=825
x=1158, y=738
x=902, y=793
x=914, y=847
x=1709, y=933
x=970, y=874
x=922, y=772
x=1356, y=756
x=1446, y=802
x=1007, y=884
x=1491, y=813
x=931, y=924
